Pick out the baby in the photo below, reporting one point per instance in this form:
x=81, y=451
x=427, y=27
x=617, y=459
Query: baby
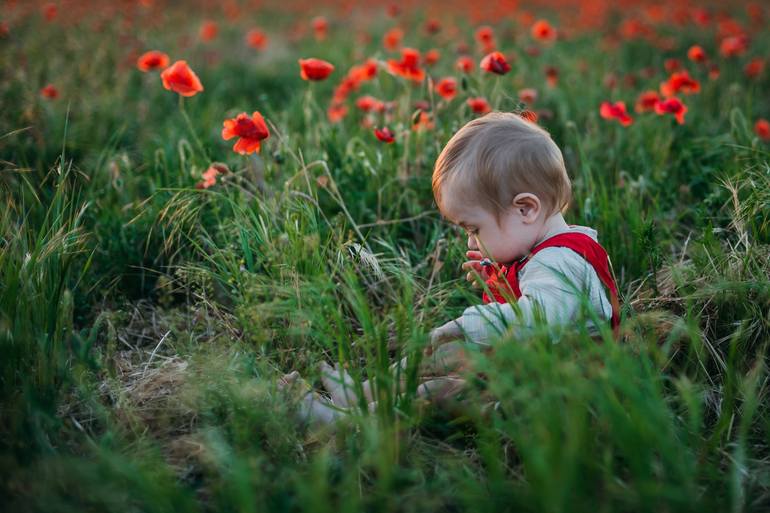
x=503, y=180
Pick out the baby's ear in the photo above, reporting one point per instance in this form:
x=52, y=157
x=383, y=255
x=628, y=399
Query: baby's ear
x=528, y=205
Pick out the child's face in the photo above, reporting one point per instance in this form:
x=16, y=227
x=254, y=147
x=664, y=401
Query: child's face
x=513, y=238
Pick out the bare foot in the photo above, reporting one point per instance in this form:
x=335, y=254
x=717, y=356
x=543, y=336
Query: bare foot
x=312, y=407
x=339, y=384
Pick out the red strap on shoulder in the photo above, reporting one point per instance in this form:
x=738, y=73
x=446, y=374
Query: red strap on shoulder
x=582, y=244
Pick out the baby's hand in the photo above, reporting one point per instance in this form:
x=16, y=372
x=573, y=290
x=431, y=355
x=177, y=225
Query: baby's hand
x=476, y=268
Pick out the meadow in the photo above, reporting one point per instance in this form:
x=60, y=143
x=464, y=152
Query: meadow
x=175, y=236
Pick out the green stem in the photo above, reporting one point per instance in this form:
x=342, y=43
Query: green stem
x=192, y=130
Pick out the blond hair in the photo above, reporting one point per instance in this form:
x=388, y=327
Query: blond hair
x=497, y=156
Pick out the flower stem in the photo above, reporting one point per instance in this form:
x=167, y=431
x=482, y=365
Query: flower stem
x=192, y=130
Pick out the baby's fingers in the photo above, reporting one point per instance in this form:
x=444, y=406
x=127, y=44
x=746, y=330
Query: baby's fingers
x=474, y=255
x=473, y=264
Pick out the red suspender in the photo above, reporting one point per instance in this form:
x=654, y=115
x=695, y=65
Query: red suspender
x=578, y=242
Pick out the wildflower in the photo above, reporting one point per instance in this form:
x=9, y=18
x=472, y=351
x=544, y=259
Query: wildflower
x=679, y=81
x=4, y=30
x=696, y=54
x=422, y=122
x=384, y=134
x=617, y=111
x=209, y=177
x=209, y=30
x=257, y=39
x=369, y=103
x=528, y=95
x=49, y=92
x=464, y=64
x=392, y=39
x=152, y=60
x=734, y=46
x=495, y=62
x=447, y=88
x=422, y=105
x=672, y=106
x=431, y=57
x=250, y=130
x=409, y=65
x=315, y=69
x=552, y=76
x=432, y=26
x=320, y=27
x=479, y=105
x=754, y=67
x=646, y=101
x=486, y=36
x=672, y=65
x=762, y=129
x=364, y=72
x=181, y=79
x=336, y=111
x=49, y=10
x=543, y=31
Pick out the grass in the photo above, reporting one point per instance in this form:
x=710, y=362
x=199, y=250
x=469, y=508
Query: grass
x=144, y=322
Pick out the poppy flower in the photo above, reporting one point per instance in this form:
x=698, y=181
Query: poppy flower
x=409, y=65
x=431, y=57
x=646, y=101
x=680, y=81
x=209, y=30
x=369, y=103
x=734, y=46
x=696, y=54
x=543, y=31
x=754, y=67
x=320, y=27
x=486, y=36
x=479, y=105
x=250, y=130
x=364, y=72
x=422, y=105
x=4, y=29
x=617, y=111
x=447, y=88
x=552, y=76
x=336, y=112
x=528, y=115
x=315, y=69
x=384, y=134
x=672, y=65
x=495, y=63
x=432, y=26
x=422, y=122
x=257, y=39
x=713, y=71
x=181, y=79
x=762, y=129
x=464, y=64
x=49, y=10
x=152, y=60
x=672, y=106
x=392, y=39
x=49, y=92
x=528, y=95
x=209, y=177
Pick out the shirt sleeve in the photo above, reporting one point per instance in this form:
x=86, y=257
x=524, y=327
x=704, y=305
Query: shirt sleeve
x=546, y=291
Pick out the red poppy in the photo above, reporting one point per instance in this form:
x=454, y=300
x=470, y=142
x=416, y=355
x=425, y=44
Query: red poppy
x=384, y=134
x=679, y=81
x=495, y=63
x=250, y=130
x=4, y=29
x=336, y=112
x=209, y=177
x=320, y=27
x=672, y=65
x=409, y=65
x=528, y=115
x=762, y=129
x=392, y=39
x=49, y=92
x=464, y=64
x=257, y=39
x=431, y=57
x=209, y=30
x=543, y=31
x=734, y=46
x=181, y=79
x=672, y=106
x=528, y=95
x=447, y=88
x=754, y=67
x=486, y=36
x=646, y=101
x=432, y=26
x=152, y=60
x=696, y=54
x=314, y=69
x=422, y=122
x=617, y=111
x=422, y=105
x=479, y=105
x=552, y=76
x=701, y=16
x=364, y=72
x=50, y=10
x=369, y=103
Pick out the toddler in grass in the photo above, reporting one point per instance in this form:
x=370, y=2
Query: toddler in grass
x=502, y=179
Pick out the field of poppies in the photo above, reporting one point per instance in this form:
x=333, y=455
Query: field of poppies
x=199, y=197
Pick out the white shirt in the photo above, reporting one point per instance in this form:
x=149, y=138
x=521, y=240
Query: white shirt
x=542, y=286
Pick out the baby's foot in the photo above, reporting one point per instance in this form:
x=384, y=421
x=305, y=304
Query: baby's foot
x=339, y=384
x=312, y=407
